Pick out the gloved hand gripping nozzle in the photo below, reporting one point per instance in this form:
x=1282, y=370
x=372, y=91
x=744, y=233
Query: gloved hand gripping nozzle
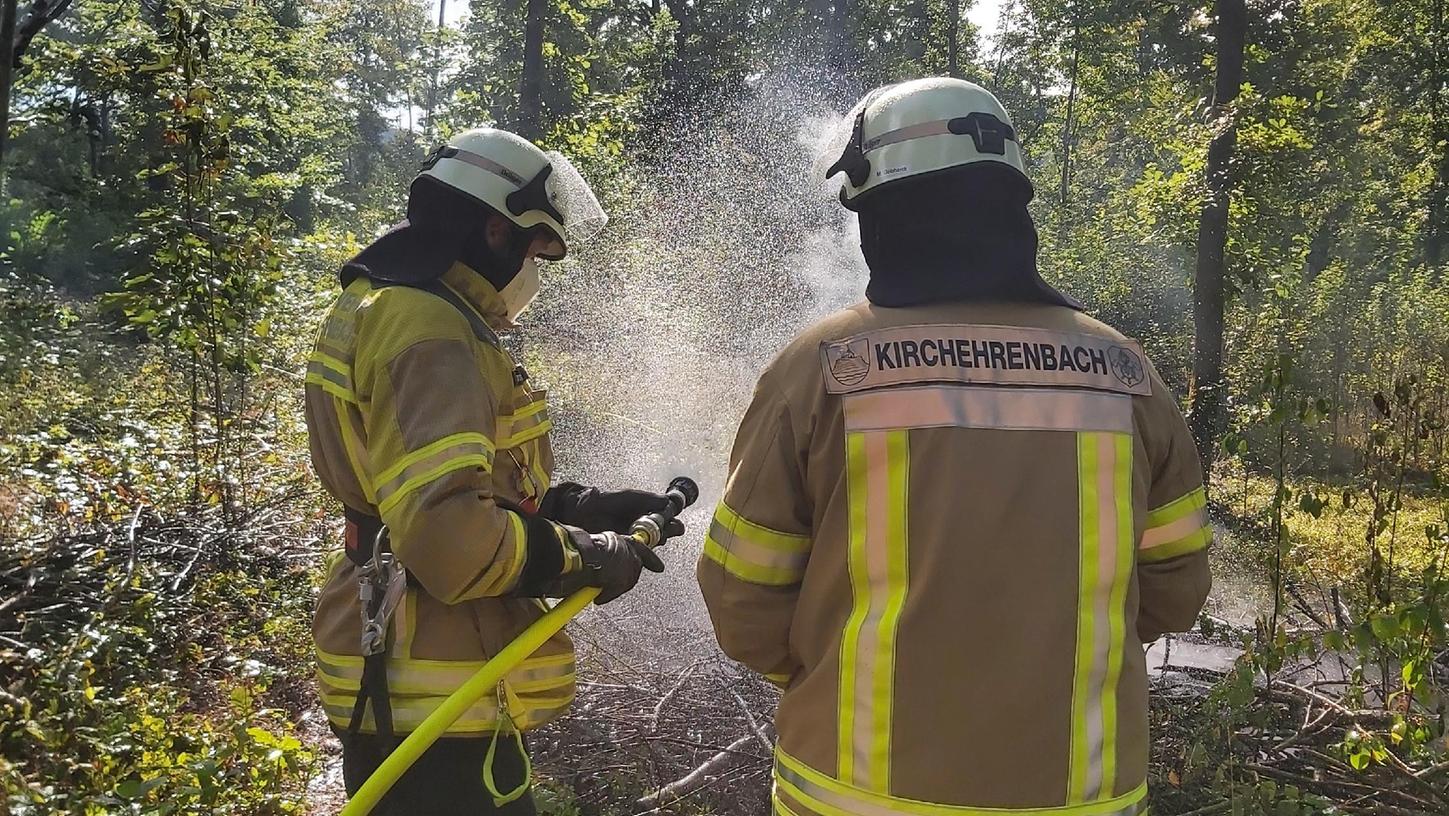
x=612, y=561
x=649, y=530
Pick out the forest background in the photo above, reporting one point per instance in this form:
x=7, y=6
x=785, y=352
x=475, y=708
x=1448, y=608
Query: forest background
x=1259, y=191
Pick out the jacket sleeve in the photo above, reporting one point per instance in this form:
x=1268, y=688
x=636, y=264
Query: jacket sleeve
x=1172, y=557
x=758, y=543
x=429, y=458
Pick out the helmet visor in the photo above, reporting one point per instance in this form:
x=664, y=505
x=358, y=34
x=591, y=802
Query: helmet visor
x=582, y=217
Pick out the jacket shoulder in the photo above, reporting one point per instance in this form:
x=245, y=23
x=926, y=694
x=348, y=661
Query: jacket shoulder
x=793, y=363
x=393, y=318
x=1086, y=324
x=834, y=326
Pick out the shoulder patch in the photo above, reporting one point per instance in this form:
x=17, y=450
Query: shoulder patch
x=983, y=355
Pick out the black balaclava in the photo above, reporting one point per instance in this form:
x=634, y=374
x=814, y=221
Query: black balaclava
x=962, y=234
x=442, y=226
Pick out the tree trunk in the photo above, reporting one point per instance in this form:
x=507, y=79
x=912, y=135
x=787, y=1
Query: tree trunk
x=7, y=66
x=1209, y=289
x=1070, y=124
x=1436, y=237
x=953, y=38
x=530, y=86
x=1003, y=26
x=432, y=127
x=38, y=15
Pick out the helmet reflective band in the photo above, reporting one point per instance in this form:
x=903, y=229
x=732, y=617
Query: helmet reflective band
x=901, y=131
x=521, y=182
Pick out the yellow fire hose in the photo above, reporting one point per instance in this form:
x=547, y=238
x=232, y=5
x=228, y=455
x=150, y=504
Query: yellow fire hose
x=648, y=531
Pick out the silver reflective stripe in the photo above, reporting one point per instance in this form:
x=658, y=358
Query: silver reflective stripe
x=828, y=800
x=1175, y=530
x=868, y=713
x=485, y=163
x=564, y=671
x=1014, y=409
x=1105, y=471
x=330, y=374
x=940, y=127
x=1101, y=617
x=761, y=556
x=425, y=465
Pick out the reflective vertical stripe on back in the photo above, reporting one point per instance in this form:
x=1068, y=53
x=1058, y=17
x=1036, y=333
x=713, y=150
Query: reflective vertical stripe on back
x=1104, y=462
x=877, y=465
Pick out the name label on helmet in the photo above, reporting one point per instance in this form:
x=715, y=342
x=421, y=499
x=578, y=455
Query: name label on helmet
x=983, y=355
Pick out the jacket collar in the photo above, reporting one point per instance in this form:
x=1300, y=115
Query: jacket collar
x=480, y=294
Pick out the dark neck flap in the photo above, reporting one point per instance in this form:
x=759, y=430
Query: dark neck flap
x=962, y=236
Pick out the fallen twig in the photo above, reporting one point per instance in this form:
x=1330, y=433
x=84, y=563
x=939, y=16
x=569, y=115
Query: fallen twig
x=683, y=786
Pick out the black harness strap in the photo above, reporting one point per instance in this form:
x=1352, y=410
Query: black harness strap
x=373, y=687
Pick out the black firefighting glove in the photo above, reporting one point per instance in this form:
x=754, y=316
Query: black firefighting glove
x=607, y=560
x=602, y=511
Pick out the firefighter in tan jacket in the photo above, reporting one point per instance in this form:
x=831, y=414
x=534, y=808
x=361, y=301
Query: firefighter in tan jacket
x=956, y=512
x=436, y=441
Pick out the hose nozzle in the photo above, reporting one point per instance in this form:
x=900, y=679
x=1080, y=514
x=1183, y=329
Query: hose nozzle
x=681, y=493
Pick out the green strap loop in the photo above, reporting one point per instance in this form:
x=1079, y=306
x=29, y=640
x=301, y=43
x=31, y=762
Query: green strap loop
x=506, y=724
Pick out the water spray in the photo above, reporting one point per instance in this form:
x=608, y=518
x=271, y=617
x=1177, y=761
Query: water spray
x=647, y=530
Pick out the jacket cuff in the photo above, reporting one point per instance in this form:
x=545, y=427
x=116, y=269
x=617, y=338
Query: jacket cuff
x=551, y=553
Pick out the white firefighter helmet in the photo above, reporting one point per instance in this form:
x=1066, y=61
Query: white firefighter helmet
x=922, y=126
x=529, y=186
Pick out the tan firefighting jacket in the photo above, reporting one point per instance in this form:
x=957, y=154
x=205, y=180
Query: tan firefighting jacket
x=947, y=533
x=414, y=419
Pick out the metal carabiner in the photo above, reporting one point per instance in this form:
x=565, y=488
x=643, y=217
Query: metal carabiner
x=381, y=574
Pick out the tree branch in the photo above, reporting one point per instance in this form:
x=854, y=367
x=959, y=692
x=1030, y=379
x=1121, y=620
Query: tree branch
x=37, y=16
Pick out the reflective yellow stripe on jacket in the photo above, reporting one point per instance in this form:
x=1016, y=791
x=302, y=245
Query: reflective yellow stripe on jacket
x=1177, y=528
x=331, y=375
x=877, y=468
x=430, y=462
x=539, y=690
x=800, y=790
x=754, y=553
x=1104, y=480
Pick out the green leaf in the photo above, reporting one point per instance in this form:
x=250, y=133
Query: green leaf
x=135, y=789
x=1385, y=627
x=161, y=64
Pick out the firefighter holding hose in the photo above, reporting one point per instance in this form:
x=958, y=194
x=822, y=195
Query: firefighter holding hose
x=436, y=441
x=957, y=511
